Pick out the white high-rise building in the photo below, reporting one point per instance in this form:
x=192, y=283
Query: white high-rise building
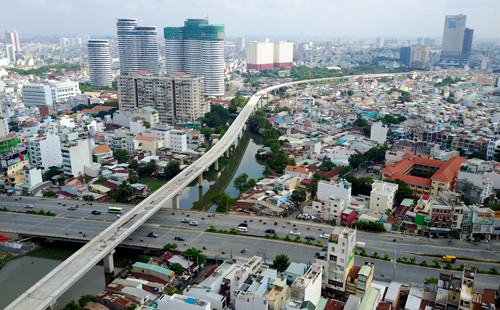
x=419, y=57
x=76, y=154
x=37, y=95
x=63, y=90
x=197, y=49
x=12, y=37
x=340, y=259
x=177, y=98
x=45, y=151
x=267, y=55
x=378, y=132
x=137, y=46
x=99, y=60
x=333, y=198
x=11, y=52
x=457, y=41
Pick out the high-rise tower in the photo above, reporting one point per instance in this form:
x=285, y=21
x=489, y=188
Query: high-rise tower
x=457, y=41
x=137, y=47
x=197, y=48
x=99, y=60
x=12, y=37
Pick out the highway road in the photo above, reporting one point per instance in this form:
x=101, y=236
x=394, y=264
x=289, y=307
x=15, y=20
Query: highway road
x=215, y=244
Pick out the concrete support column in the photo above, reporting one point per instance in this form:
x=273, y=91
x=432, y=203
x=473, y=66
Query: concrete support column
x=216, y=165
x=227, y=153
x=175, y=202
x=109, y=264
x=200, y=180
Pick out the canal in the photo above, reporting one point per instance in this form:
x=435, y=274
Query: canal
x=20, y=274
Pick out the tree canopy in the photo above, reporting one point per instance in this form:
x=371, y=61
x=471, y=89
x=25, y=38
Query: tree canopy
x=281, y=262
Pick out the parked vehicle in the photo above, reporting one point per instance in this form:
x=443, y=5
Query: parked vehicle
x=193, y=223
x=270, y=231
x=29, y=207
x=295, y=232
x=95, y=212
x=179, y=238
x=185, y=220
x=242, y=229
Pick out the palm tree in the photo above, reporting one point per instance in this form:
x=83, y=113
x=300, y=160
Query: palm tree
x=123, y=192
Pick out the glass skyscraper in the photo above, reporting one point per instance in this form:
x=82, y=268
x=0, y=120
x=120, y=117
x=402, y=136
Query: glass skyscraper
x=99, y=60
x=137, y=47
x=457, y=41
x=197, y=48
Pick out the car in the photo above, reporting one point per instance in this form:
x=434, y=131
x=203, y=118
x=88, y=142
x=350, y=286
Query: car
x=185, y=220
x=152, y=235
x=270, y=231
x=242, y=229
x=324, y=236
x=95, y=212
x=193, y=223
x=295, y=232
x=311, y=238
x=179, y=238
x=29, y=207
x=118, y=215
x=72, y=208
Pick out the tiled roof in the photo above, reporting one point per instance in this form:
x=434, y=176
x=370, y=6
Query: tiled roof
x=142, y=138
x=297, y=169
x=449, y=170
x=101, y=149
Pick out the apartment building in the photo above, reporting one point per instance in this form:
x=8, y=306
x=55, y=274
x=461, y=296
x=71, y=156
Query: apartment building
x=75, y=155
x=45, y=151
x=333, y=198
x=340, y=257
x=179, y=99
x=382, y=196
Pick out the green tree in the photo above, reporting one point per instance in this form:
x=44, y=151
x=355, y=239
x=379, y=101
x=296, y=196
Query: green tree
x=88, y=197
x=172, y=169
x=298, y=196
x=123, y=193
x=170, y=247
x=281, y=262
x=120, y=155
x=177, y=268
x=85, y=299
x=241, y=182
x=49, y=194
x=147, y=125
x=134, y=164
x=357, y=160
x=72, y=305
x=313, y=185
x=143, y=259
x=195, y=256
x=403, y=192
x=133, y=177
x=223, y=201
x=327, y=165
x=360, y=122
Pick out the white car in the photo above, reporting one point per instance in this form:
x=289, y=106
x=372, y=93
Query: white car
x=324, y=236
x=295, y=232
x=193, y=223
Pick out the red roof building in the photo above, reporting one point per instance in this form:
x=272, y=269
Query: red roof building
x=424, y=175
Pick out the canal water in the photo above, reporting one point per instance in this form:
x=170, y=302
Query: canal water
x=242, y=161
x=20, y=274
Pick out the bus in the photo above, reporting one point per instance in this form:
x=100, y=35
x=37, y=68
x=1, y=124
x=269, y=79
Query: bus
x=115, y=210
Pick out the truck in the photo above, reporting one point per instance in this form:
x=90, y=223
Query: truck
x=449, y=258
x=360, y=245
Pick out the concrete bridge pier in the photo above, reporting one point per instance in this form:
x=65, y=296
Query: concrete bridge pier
x=175, y=202
x=227, y=153
x=200, y=180
x=216, y=165
x=109, y=264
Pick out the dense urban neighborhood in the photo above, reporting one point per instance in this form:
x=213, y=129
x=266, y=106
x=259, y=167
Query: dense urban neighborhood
x=373, y=155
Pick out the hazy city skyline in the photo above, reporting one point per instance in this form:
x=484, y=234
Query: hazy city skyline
x=259, y=18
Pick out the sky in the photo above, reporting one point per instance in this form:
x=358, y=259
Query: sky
x=255, y=18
